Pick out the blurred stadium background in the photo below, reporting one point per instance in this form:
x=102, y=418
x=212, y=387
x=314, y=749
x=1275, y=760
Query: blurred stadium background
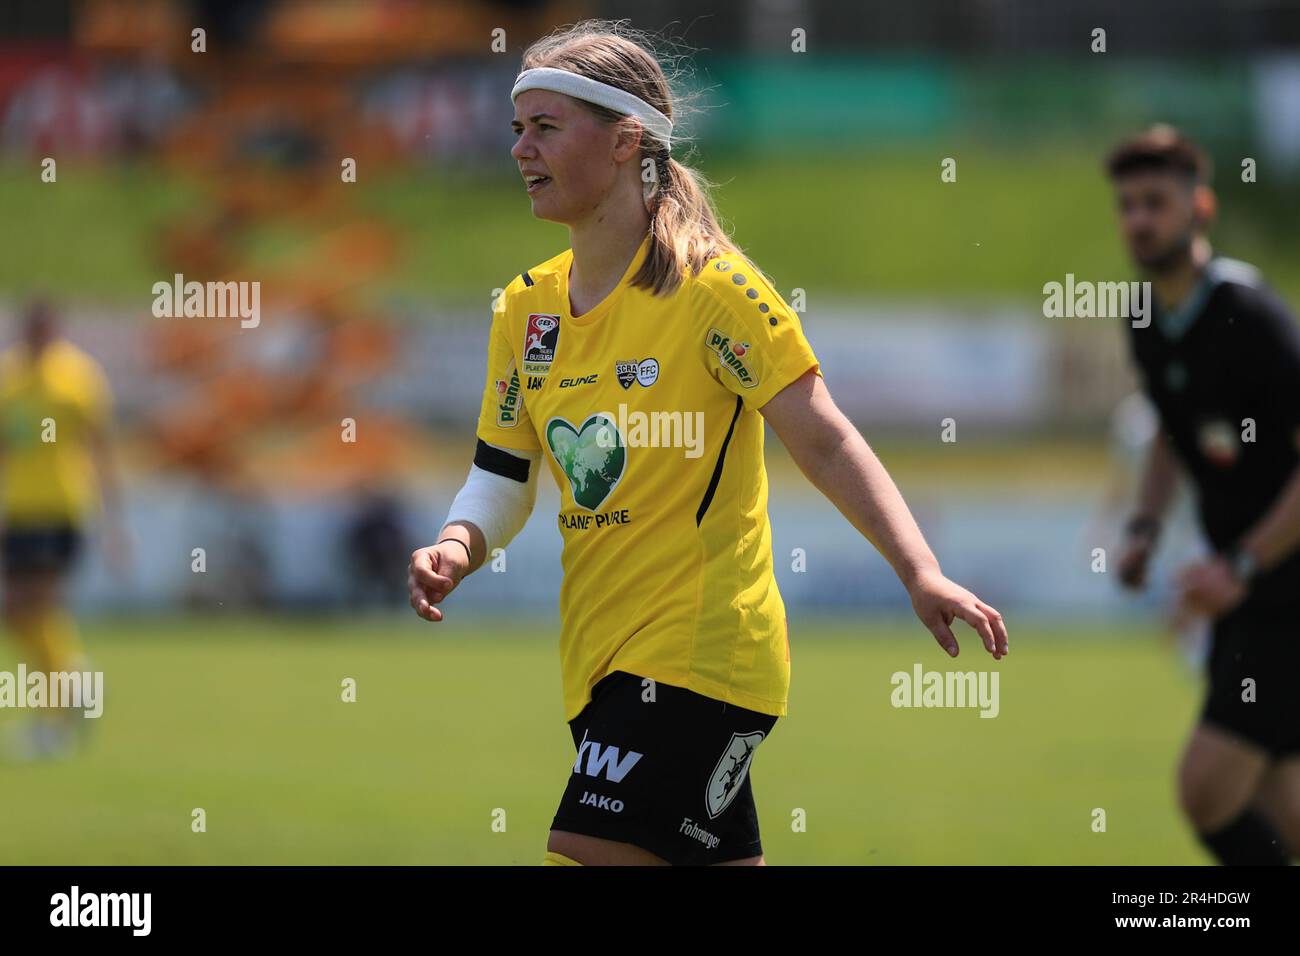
x=923, y=299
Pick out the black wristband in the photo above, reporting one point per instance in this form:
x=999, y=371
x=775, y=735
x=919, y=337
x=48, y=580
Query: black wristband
x=1242, y=563
x=1143, y=524
x=468, y=553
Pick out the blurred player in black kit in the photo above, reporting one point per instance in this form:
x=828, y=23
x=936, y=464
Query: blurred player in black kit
x=1220, y=360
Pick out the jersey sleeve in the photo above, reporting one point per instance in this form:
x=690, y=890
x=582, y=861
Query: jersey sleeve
x=753, y=342
x=503, y=420
x=1273, y=357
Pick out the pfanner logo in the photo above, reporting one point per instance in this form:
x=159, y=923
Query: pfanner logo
x=75, y=908
x=508, y=400
x=607, y=761
x=732, y=356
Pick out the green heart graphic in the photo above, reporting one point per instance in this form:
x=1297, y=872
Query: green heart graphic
x=593, y=457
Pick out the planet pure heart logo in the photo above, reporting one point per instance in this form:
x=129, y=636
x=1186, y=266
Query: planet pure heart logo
x=593, y=456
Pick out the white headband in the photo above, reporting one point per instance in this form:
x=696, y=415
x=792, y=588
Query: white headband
x=593, y=91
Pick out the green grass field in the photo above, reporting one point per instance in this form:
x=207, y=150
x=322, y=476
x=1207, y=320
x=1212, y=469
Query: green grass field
x=243, y=718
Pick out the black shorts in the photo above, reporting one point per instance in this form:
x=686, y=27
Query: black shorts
x=669, y=775
x=45, y=548
x=1261, y=644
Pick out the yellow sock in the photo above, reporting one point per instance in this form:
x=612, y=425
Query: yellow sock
x=558, y=859
x=29, y=632
x=51, y=644
x=61, y=640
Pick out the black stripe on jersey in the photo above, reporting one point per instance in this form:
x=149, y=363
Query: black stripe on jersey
x=717, y=469
x=528, y=280
x=500, y=462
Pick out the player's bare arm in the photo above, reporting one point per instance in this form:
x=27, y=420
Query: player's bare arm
x=841, y=465
x=117, y=542
x=1155, y=491
x=436, y=570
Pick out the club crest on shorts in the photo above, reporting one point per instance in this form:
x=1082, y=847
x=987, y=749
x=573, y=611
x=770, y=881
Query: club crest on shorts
x=541, y=339
x=730, y=773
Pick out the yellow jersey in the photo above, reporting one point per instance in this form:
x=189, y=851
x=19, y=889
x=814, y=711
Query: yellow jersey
x=646, y=411
x=48, y=407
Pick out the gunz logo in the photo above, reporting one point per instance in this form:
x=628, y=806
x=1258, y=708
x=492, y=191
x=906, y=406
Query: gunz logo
x=731, y=355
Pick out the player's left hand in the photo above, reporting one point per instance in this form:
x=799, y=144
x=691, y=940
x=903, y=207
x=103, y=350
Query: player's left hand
x=938, y=602
x=1209, y=587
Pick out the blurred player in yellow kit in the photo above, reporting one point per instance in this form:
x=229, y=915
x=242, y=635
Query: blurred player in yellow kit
x=55, y=467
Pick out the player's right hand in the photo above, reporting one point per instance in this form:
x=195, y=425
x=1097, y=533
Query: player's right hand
x=1133, y=562
x=433, y=574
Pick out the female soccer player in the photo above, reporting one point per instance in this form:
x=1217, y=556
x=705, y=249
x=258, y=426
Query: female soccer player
x=641, y=364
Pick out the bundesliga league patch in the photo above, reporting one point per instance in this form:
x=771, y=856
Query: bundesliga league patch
x=541, y=339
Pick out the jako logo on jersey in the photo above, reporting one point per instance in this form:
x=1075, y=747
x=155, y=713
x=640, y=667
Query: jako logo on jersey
x=730, y=772
x=583, y=380
x=600, y=801
x=541, y=339
x=731, y=356
x=508, y=398
x=535, y=382
x=607, y=760
x=646, y=372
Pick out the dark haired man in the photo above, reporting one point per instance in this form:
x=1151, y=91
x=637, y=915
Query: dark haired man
x=1220, y=361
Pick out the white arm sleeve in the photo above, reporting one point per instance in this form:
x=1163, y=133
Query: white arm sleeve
x=497, y=505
